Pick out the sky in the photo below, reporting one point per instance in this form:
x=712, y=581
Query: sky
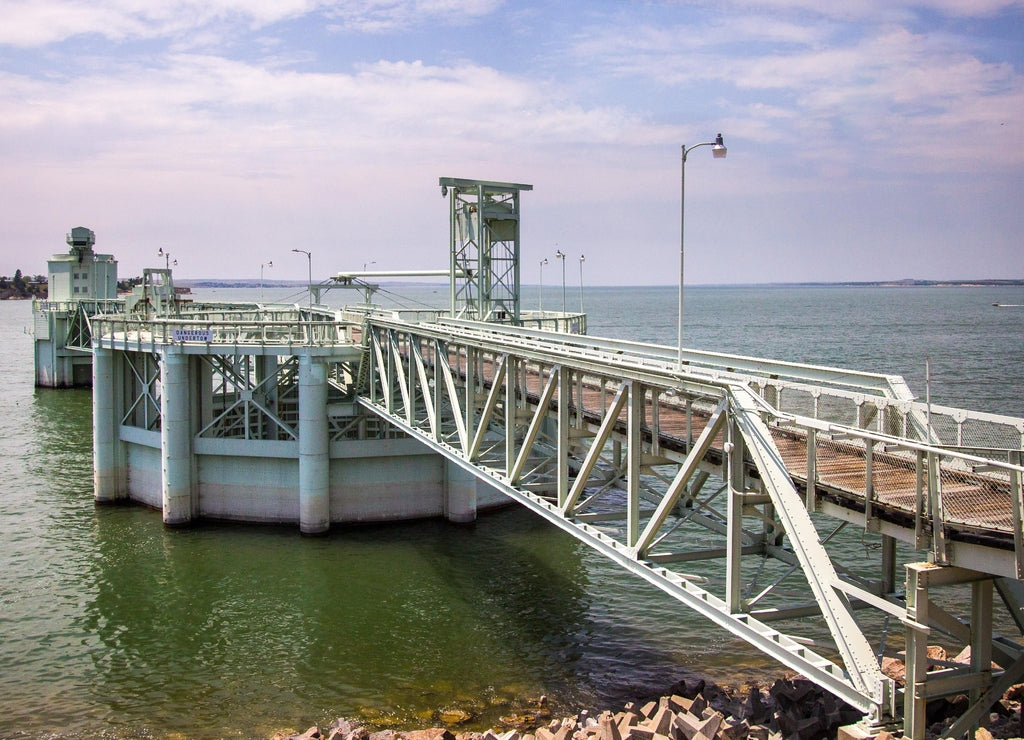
x=867, y=139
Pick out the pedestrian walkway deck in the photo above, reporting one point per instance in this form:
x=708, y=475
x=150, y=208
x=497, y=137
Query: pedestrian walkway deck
x=822, y=515
x=717, y=478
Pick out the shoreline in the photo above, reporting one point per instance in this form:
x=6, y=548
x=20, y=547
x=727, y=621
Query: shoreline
x=791, y=707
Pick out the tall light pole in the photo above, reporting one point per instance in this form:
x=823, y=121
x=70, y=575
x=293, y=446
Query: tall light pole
x=559, y=254
x=719, y=151
x=265, y=264
x=167, y=258
x=542, y=263
x=583, y=259
x=372, y=262
x=309, y=262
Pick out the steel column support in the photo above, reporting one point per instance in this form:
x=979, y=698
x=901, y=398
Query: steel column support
x=914, y=698
x=736, y=480
x=512, y=368
x=858, y=657
x=564, y=437
x=634, y=456
x=981, y=633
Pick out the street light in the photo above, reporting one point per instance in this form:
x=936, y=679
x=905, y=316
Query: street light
x=719, y=151
x=583, y=259
x=542, y=263
x=265, y=264
x=167, y=258
x=309, y=261
x=373, y=262
x=559, y=254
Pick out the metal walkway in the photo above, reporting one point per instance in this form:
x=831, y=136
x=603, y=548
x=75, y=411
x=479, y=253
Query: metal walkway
x=728, y=482
x=822, y=515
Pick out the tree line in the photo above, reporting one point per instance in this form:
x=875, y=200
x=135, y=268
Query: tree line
x=21, y=287
x=36, y=286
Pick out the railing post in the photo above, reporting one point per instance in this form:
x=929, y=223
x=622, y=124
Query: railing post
x=869, y=486
x=921, y=507
x=1017, y=503
x=810, y=494
x=936, y=508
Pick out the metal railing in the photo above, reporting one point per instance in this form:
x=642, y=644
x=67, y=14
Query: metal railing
x=92, y=306
x=125, y=332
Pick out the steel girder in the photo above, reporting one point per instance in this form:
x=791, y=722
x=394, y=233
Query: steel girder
x=591, y=448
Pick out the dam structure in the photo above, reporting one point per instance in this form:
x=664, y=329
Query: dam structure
x=80, y=283
x=723, y=480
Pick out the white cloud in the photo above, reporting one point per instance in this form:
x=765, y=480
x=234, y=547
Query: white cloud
x=837, y=91
x=29, y=23
x=372, y=16
x=216, y=151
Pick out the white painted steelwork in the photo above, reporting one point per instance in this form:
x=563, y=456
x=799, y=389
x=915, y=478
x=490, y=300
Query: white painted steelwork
x=484, y=251
x=613, y=444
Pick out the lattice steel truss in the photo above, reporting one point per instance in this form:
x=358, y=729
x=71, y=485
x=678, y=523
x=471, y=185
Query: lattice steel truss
x=484, y=260
x=141, y=390
x=678, y=477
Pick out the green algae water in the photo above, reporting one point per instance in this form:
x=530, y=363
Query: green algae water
x=112, y=626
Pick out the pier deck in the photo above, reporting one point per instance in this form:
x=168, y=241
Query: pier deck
x=728, y=482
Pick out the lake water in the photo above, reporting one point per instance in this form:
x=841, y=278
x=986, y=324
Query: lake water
x=112, y=626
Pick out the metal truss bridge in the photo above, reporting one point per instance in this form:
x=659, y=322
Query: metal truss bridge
x=822, y=515
x=728, y=482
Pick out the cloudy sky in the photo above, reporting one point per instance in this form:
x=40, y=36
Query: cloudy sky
x=868, y=139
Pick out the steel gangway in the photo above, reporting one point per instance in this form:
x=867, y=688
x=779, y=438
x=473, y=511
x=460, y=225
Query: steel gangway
x=731, y=483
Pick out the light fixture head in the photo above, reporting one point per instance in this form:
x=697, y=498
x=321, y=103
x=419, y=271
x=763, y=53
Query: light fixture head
x=718, y=150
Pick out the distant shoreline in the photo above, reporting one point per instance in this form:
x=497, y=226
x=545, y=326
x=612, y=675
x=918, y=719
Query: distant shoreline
x=909, y=283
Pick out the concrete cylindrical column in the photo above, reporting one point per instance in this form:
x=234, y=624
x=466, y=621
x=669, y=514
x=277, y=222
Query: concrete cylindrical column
x=314, y=448
x=175, y=437
x=459, y=494
x=106, y=476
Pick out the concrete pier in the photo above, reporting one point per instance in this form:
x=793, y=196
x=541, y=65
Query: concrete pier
x=176, y=437
x=314, y=454
x=460, y=494
x=108, y=457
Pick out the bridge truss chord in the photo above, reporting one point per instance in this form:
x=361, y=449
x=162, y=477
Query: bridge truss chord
x=690, y=480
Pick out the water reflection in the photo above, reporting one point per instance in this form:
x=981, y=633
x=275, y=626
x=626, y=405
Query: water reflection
x=239, y=625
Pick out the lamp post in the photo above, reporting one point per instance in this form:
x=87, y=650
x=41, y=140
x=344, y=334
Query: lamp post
x=265, y=264
x=167, y=258
x=372, y=262
x=309, y=262
x=542, y=263
x=583, y=259
x=719, y=151
x=559, y=254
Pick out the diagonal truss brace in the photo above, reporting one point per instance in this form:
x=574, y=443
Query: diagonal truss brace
x=862, y=684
